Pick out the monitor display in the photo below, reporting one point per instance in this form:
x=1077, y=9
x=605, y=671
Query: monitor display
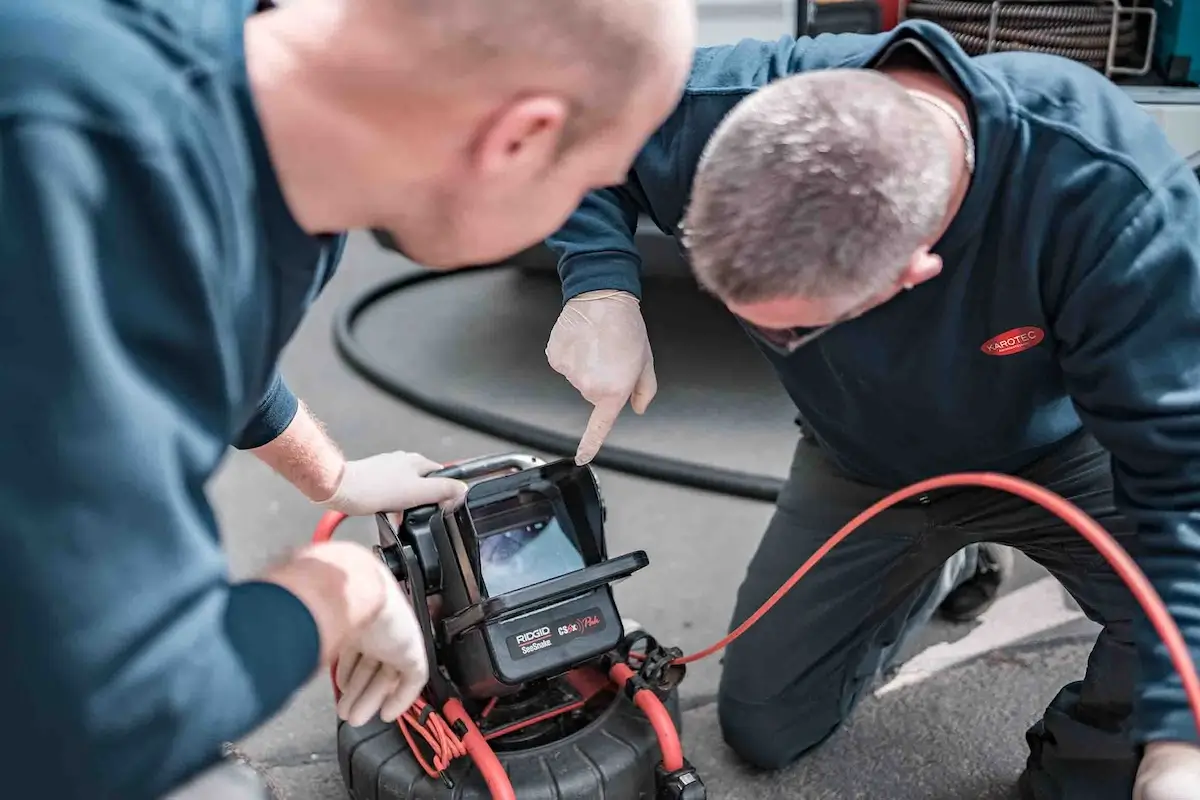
x=520, y=557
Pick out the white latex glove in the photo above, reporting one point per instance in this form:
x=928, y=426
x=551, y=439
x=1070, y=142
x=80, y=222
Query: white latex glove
x=1169, y=771
x=600, y=345
x=392, y=482
x=383, y=670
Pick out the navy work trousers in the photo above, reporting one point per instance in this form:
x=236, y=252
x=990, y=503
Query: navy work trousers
x=792, y=679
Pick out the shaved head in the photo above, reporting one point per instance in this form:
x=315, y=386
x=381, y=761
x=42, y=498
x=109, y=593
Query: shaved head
x=466, y=129
x=597, y=50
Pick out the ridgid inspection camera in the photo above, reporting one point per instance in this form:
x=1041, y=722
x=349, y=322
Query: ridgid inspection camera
x=519, y=668
x=526, y=587
x=532, y=673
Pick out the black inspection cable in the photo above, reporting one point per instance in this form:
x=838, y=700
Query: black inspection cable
x=644, y=465
x=1080, y=31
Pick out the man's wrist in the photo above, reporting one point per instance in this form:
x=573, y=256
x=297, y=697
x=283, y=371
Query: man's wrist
x=342, y=586
x=324, y=491
x=306, y=457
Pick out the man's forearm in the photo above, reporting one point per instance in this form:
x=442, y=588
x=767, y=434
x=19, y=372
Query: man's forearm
x=305, y=456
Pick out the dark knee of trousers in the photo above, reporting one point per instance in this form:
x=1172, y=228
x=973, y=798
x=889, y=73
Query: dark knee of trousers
x=771, y=736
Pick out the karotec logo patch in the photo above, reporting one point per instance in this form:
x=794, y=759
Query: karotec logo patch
x=1018, y=340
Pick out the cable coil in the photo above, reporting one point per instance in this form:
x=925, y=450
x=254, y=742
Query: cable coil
x=1081, y=31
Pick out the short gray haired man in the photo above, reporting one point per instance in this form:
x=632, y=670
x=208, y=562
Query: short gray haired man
x=953, y=264
x=826, y=190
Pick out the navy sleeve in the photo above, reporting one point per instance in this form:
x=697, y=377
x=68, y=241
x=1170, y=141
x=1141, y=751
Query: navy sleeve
x=130, y=657
x=596, y=247
x=275, y=412
x=1129, y=333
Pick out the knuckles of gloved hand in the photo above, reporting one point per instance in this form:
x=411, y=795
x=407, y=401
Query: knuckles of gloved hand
x=393, y=481
x=600, y=345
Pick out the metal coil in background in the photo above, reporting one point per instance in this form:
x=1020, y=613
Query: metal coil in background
x=1099, y=33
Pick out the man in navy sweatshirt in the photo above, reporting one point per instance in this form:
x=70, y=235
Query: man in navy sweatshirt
x=173, y=176
x=953, y=264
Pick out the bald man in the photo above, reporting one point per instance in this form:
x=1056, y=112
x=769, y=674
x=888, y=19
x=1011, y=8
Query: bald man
x=173, y=181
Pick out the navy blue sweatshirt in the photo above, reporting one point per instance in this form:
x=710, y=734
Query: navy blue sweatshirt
x=152, y=274
x=1069, y=299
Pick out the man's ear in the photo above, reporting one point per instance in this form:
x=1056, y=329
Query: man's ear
x=923, y=266
x=523, y=137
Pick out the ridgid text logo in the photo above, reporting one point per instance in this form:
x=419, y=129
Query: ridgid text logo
x=532, y=636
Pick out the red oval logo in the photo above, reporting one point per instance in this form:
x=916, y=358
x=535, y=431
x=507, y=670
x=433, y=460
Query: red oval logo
x=1018, y=340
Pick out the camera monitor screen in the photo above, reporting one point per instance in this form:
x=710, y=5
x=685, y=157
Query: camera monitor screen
x=522, y=556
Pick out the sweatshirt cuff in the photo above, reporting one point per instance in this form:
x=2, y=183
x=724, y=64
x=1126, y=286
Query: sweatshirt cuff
x=275, y=412
x=1174, y=725
x=276, y=638
x=589, y=272
x=1161, y=709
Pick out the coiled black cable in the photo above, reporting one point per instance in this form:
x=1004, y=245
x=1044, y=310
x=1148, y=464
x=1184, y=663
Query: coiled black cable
x=1080, y=31
x=632, y=462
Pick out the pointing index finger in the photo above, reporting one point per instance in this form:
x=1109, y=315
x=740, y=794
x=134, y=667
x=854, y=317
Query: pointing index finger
x=604, y=417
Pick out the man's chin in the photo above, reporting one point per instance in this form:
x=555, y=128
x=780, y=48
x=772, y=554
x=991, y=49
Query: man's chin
x=444, y=258
x=431, y=260
x=387, y=241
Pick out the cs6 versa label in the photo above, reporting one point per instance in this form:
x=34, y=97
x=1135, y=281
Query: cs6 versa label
x=537, y=638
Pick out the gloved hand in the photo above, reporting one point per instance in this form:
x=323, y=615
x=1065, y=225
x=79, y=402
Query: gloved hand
x=1169, y=771
x=382, y=671
x=391, y=482
x=600, y=345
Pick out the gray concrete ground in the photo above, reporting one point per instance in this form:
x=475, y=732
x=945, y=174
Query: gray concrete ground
x=949, y=726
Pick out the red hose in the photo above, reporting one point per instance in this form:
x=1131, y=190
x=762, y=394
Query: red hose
x=481, y=752
x=327, y=525
x=1125, y=567
x=1062, y=508
x=660, y=718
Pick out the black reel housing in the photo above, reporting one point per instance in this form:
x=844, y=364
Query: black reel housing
x=521, y=569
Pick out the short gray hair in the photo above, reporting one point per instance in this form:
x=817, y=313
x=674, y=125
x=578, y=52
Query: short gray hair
x=820, y=185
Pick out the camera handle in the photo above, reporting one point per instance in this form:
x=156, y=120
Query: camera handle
x=475, y=468
x=402, y=561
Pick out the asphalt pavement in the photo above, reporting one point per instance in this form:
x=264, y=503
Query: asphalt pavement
x=949, y=725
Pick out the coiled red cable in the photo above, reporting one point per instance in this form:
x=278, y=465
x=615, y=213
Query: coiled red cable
x=1124, y=566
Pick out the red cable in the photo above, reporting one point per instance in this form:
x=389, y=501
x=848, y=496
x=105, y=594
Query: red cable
x=494, y=774
x=438, y=735
x=1062, y=508
x=660, y=718
x=1139, y=585
x=327, y=525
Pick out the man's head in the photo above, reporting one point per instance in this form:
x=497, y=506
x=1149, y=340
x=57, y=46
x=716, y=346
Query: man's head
x=818, y=197
x=473, y=128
